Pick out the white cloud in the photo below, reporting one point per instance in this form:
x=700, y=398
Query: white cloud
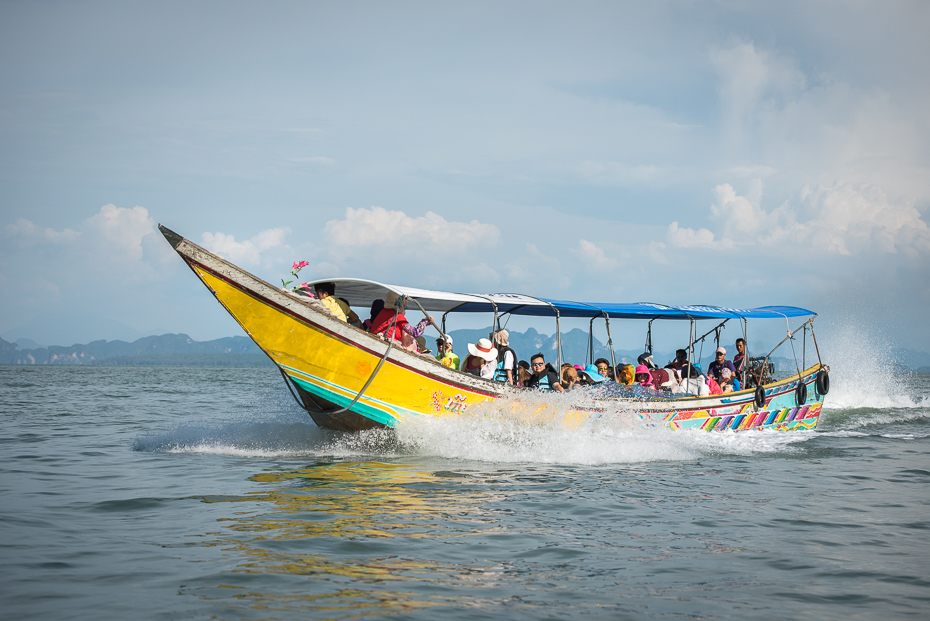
x=248, y=252
x=114, y=234
x=840, y=219
x=680, y=237
x=862, y=219
x=379, y=227
x=27, y=234
x=742, y=217
x=122, y=228
x=594, y=256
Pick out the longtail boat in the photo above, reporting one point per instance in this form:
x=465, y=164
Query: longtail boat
x=349, y=380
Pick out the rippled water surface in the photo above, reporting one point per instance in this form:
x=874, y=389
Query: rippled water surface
x=205, y=493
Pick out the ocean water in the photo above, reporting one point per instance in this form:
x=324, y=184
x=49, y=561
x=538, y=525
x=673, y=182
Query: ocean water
x=189, y=493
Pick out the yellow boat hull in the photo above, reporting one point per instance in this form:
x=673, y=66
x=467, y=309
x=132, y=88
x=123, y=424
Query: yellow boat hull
x=329, y=362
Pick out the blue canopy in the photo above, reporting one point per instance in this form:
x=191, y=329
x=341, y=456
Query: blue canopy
x=647, y=310
x=360, y=292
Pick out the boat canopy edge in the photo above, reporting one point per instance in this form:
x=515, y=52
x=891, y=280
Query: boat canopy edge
x=361, y=292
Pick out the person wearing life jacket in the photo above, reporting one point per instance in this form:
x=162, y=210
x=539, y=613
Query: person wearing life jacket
x=506, y=359
x=544, y=376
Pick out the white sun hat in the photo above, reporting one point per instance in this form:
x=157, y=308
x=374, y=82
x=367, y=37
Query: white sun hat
x=484, y=349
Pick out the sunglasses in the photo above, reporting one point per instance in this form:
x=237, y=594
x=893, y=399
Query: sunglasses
x=539, y=364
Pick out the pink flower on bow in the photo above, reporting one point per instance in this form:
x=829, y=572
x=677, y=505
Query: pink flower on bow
x=300, y=265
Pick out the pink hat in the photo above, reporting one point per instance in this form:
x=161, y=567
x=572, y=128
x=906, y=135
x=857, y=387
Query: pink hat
x=721, y=350
x=579, y=367
x=644, y=370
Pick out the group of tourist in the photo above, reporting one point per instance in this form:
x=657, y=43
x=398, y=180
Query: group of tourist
x=497, y=361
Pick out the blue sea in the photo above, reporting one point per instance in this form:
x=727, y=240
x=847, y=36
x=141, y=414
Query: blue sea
x=200, y=493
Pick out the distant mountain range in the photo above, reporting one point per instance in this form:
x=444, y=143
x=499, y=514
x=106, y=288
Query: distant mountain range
x=182, y=350
x=150, y=350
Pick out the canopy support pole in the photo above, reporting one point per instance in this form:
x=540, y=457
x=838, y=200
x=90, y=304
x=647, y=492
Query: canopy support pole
x=649, y=336
x=804, y=349
x=589, y=359
x=442, y=332
x=745, y=368
x=690, y=354
x=558, y=329
x=610, y=345
x=814, y=337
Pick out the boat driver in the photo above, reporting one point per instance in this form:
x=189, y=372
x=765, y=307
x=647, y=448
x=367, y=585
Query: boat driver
x=543, y=378
x=715, y=368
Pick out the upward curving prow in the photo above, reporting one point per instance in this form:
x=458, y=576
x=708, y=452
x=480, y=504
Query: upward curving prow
x=173, y=238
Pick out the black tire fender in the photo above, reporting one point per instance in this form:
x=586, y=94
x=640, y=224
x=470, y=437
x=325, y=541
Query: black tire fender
x=760, y=397
x=800, y=394
x=823, y=382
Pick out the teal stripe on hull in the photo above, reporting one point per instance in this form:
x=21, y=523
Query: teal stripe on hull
x=342, y=401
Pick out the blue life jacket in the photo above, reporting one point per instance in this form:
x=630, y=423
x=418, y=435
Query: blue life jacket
x=544, y=381
x=500, y=374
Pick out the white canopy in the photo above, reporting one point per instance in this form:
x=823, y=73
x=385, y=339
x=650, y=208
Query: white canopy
x=361, y=293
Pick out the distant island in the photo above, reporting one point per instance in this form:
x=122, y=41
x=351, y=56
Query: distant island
x=164, y=350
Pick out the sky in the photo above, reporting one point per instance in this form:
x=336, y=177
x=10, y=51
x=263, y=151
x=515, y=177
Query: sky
x=727, y=153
